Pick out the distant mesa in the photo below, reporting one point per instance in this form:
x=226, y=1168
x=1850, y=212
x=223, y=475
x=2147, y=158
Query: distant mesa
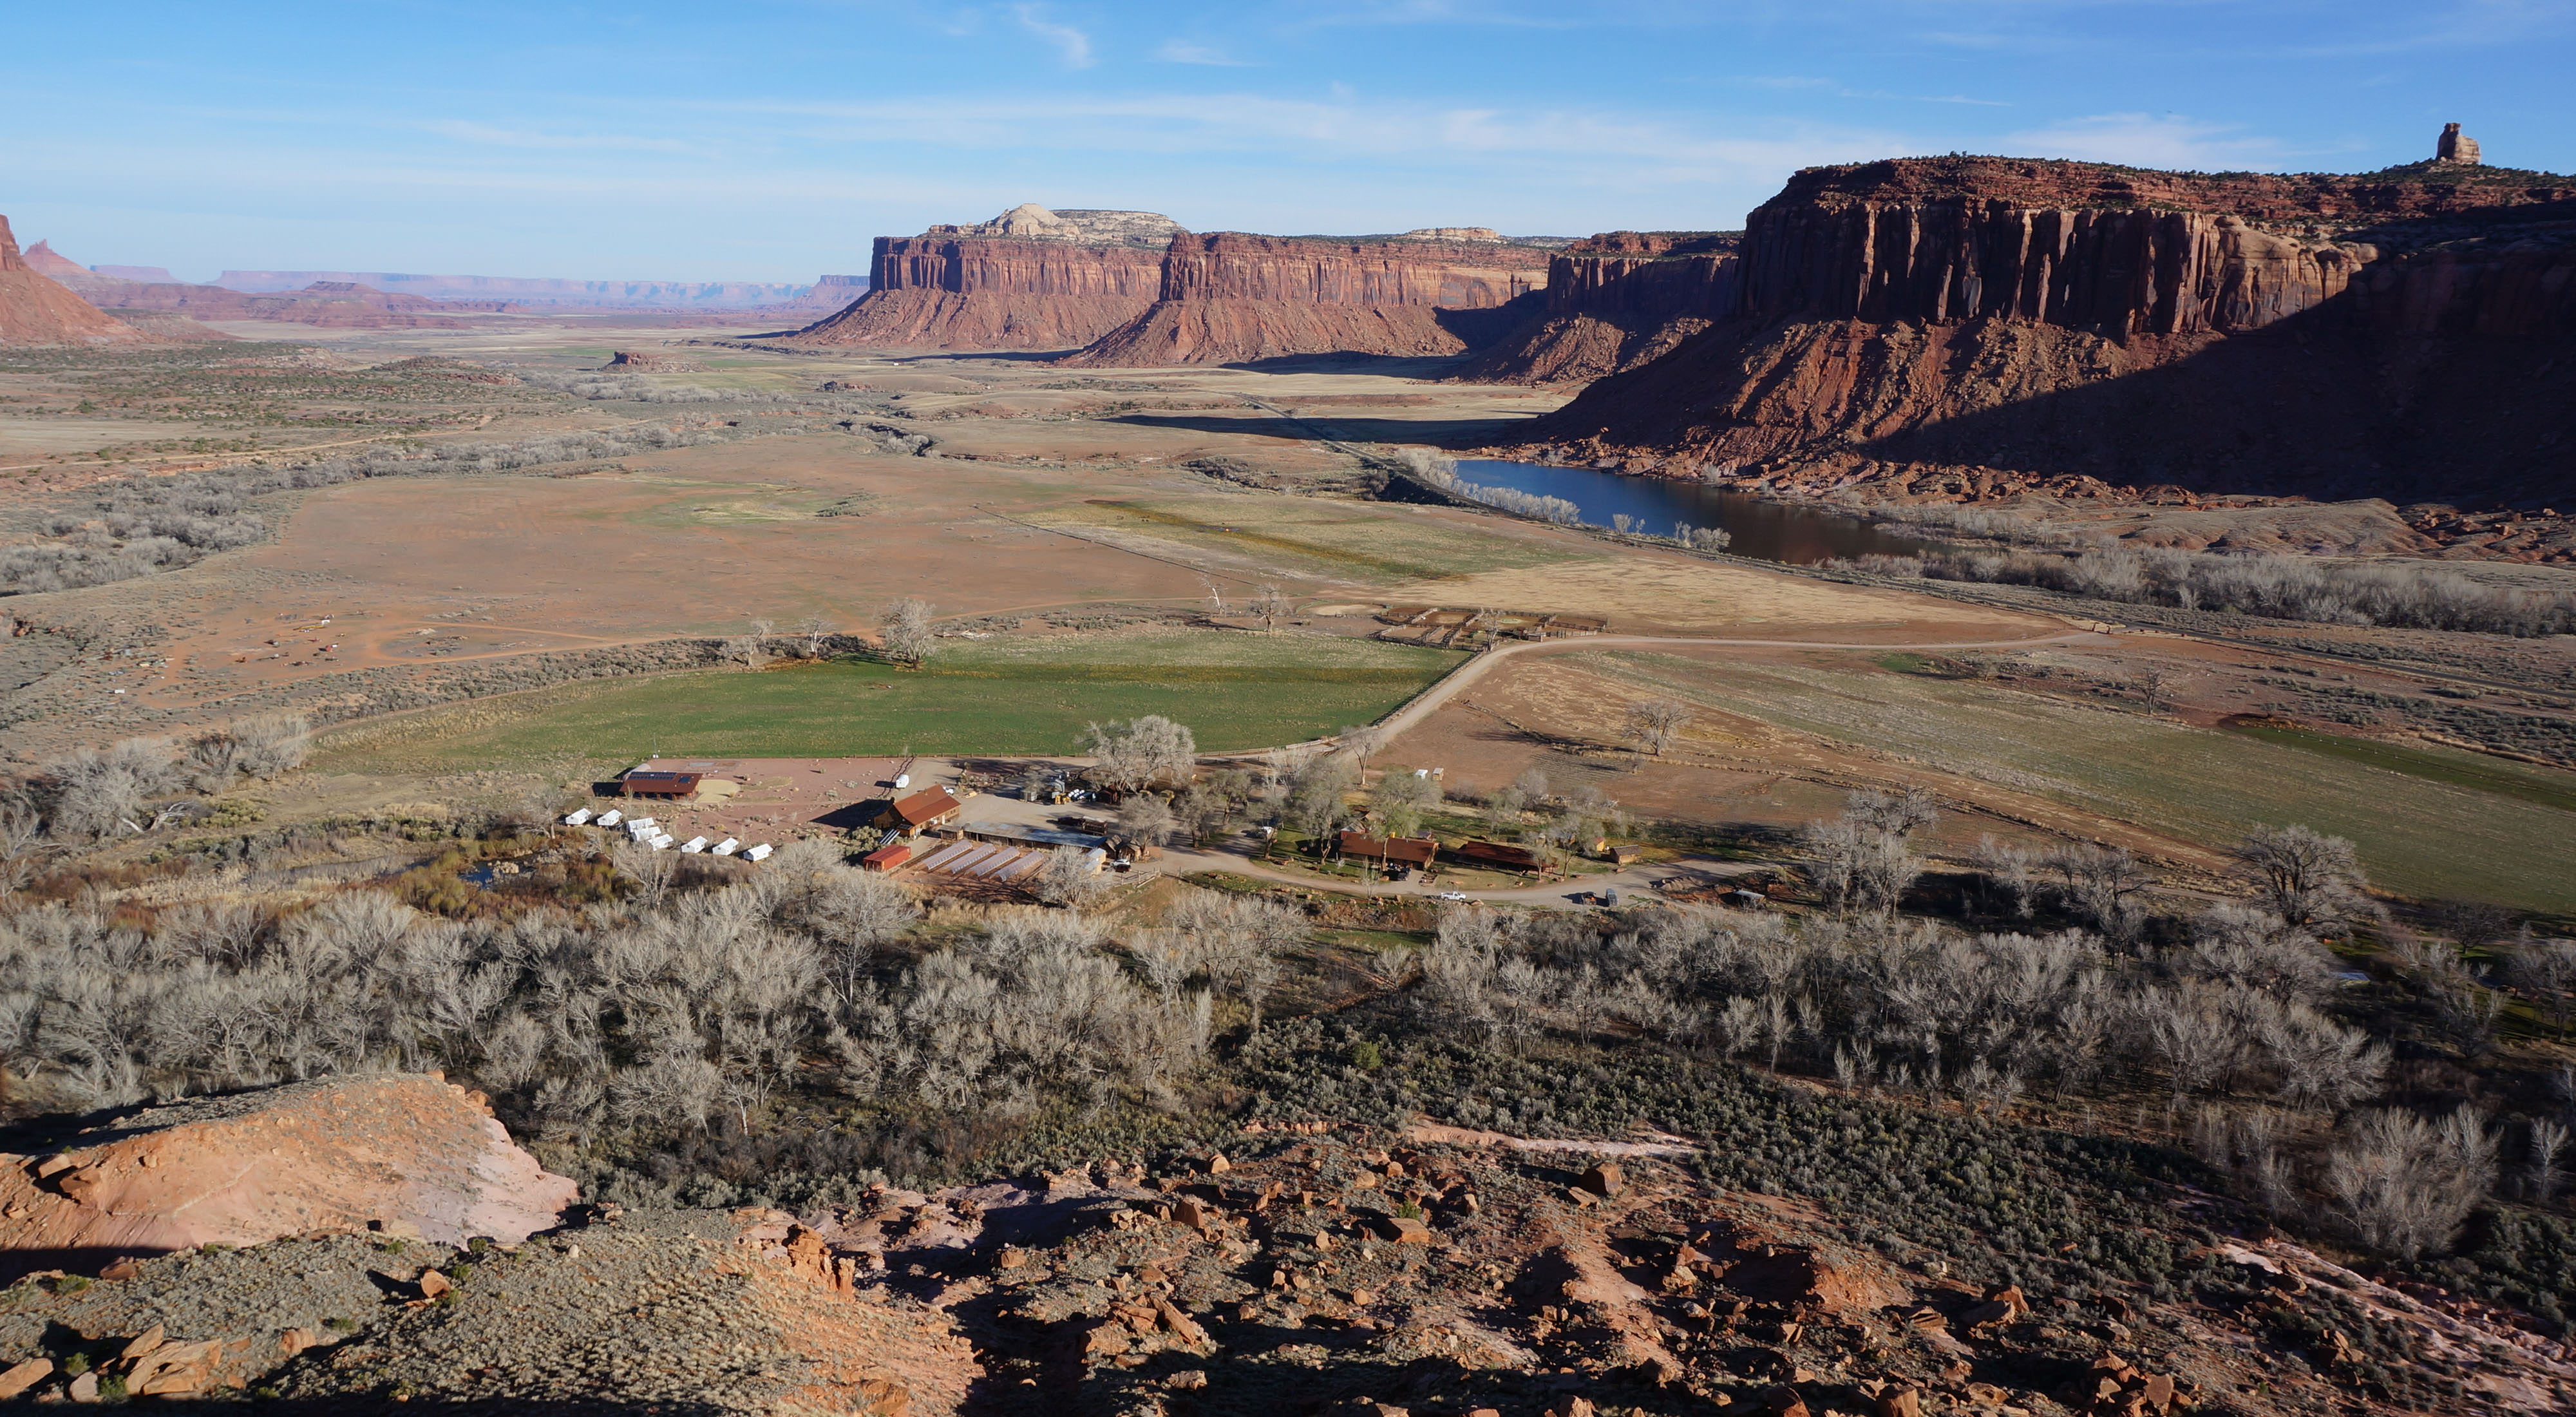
x=1030, y=222
x=146, y=274
x=35, y=309
x=1453, y=233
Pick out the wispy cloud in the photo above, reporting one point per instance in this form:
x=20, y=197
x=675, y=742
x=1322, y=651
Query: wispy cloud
x=1072, y=43
x=1182, y=51
x=2149, y=140
x=484, y=133
x=1838, y=89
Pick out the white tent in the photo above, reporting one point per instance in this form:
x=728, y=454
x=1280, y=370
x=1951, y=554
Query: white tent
x=577, y=817
x=694, y=844
x=758, y=853
x=609, y=818
x=726, y=846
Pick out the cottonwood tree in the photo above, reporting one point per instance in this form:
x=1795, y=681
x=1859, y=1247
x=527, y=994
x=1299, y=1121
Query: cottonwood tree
x=2544, y=969
x=1270, y=606
x=1145, y=819
x=1071, y=878
x=1654, y=725
x=1402, y=799
x=1318, y=796
x=1130, y=756
x=817, y=632
x=1363, y=743
x=904, y=627
x=21, y=838
x=2306, y=878
x=856, y=913
x=1861, y=861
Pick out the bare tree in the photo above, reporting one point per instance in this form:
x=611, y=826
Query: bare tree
x=1317, y=796
x=650, y=870
x=1071, y=878
x=904, y=627
x=2404, y=1185
x=1131, y=755
x=750, y=651
x=1145, y=819
x=1656, y=724
x=817, y=632
x=2548, y=1143
x=2005, y=870
x=1039, y=782
x=1504, y=806
x=2546, y=970
x=2304, y=877
x=1363, y=743
x=1271, y=607
x=2190, y=1034
x=1402, y=798
x=21, y=838
x=2101, y=883
x=855, y=913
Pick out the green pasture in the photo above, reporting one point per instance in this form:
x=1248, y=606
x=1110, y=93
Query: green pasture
x=1234, y=690
x=2429, y=822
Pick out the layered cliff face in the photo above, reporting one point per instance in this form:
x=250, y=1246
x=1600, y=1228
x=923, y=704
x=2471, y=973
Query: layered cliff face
x=1232, y=298
x=938, y=292
x=34, y=309
x=1615, y=302
x=2399, y=334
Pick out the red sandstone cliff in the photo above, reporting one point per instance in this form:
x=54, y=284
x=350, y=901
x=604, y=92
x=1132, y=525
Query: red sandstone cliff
x=34, y=309
x=1960, y=323
x=932, y=292
x=1614, y=302
x=1231, y=298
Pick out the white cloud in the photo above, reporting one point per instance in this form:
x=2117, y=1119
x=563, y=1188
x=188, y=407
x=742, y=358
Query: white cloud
x=1182, y=51
x=1072, y=43
x=2146, y=140
x=466, y=132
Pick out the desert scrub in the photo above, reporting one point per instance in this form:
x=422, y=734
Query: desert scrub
x=2514, y=1256
x=2003, y=1202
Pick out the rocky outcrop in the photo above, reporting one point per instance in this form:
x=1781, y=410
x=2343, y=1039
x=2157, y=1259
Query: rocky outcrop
x=653, y=361
x=35, y=309
x=1614, y=302
x=945, y=292
x=1084, y=227
x=405, y=1154
x=43, y=259
x=1231, y=298
x=2399, y=333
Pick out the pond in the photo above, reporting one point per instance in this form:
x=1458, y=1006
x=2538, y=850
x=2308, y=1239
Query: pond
x=1764, y=530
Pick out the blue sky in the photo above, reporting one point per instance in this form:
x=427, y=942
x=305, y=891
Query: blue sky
x=770, y=139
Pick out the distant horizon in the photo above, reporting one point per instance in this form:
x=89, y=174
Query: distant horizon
x=772, y=145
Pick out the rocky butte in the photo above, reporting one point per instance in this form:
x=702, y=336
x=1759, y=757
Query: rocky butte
x=1234, y=298
x=1956, y=326
x=35, y=309
x=1616, y=301
x=1028, y=279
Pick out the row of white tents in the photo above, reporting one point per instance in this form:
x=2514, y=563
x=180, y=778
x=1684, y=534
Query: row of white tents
x=644, y=831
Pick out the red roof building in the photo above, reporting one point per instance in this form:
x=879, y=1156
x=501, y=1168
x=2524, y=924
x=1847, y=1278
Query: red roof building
x=930, y=807
x=1390, y=851
x=660, y=784
x=1498, y=854
x=886, y=858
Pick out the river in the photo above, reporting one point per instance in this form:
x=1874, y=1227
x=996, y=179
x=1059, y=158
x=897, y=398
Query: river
x=1763, y=530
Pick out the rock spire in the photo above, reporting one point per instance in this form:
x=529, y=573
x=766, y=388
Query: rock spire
x=2455, y=146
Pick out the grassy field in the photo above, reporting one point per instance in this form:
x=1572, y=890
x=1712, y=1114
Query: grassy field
x=2477, y=828
x=1307, y=537
x=1234, y=690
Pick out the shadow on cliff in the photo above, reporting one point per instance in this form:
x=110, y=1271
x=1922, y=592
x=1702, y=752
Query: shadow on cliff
x=2306, y=407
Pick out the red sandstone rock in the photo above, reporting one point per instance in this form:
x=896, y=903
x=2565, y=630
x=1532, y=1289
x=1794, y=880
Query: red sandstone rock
x=2013, y=319
x=1232, y=298
x=928, y=292
x=34, y=309
x=406, y=1152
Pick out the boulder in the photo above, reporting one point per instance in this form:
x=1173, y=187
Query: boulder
x=1605, y=1180
x=401, y=1154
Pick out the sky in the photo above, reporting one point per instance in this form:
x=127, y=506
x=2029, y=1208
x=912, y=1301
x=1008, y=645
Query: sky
x=771, y=139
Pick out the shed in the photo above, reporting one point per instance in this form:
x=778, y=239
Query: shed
x=660, y=784
x=886, y=858
x=912, y=815
x=1626, y=854
x=1390, y=850
x=1498, y=854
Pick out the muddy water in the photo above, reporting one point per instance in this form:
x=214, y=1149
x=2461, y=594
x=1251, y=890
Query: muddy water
x=1763, y=530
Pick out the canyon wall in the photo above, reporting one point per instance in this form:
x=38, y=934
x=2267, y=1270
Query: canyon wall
x=1614, y=302
x=35, y=309
x=1939, y=324
x=1233, y=298
x=945, y=292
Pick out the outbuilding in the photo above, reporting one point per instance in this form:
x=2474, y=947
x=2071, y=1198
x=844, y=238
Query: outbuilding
x=1390, y=850
x=642, y=783
x=921, y=811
